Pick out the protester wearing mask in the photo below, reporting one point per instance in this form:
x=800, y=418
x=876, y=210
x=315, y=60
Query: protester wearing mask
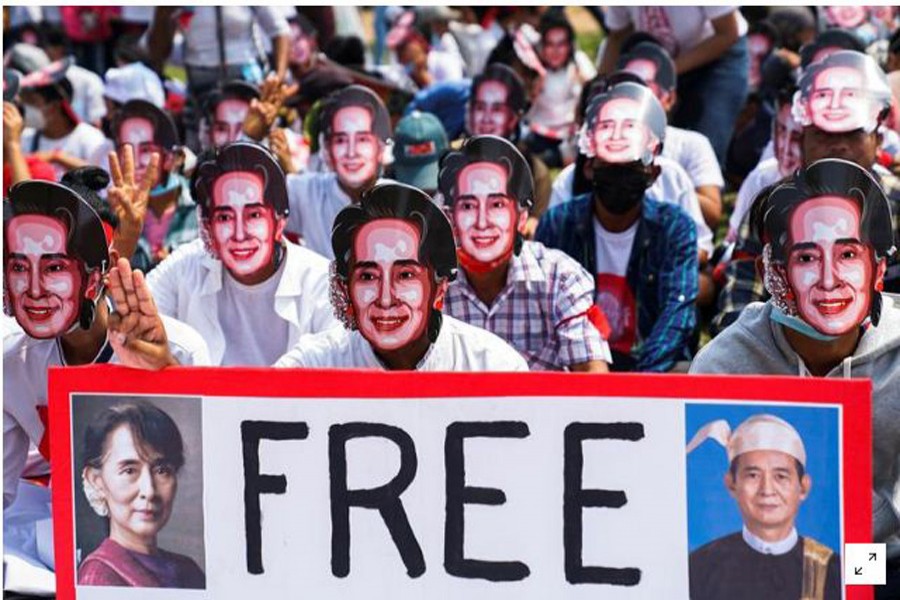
x=690, y=149
x=242, y=272
x=87, y=87
x=224, y=111
x=827, y=236
x=355, y=128
x=57, y=257
x=497, y=103
x=643, y=253
x=169, y=219
x=487, y=187
x=424, y=64
x=395, y=257
x=133, y=81
x=853, y=133
x=16, y=165
x=52, y=129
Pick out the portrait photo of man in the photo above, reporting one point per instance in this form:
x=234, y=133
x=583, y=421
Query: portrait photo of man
x=767, y=479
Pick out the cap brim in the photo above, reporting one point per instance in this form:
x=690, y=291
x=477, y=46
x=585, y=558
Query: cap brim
x=424, y=177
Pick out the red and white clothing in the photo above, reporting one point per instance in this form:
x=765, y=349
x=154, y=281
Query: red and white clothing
x=613, y=294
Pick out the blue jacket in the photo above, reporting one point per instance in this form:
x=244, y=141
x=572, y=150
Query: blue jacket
x=662, y=272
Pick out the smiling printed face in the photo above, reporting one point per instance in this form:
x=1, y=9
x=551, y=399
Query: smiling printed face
x=837, y=100
x=243, y=229
x=390, y=290
x=619, y=135
x=829, y=269
x=138, y=132
x=228, y=121
x=484, y=216
x=490, y=113
x=44, y=283
x=354, y=148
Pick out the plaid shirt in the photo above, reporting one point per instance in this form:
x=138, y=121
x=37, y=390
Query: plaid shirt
x=662, y=273
x=542, y=311
x=744, y=285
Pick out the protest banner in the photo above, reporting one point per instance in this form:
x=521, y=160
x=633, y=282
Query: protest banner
x=408, y=485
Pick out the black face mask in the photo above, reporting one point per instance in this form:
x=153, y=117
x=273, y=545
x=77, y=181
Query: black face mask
x=620, y=187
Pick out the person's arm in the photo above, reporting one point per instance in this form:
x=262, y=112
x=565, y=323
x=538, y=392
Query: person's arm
x=280, y=51
x=677, y=294
x=136, y=331
x=129, y=198
x=582, y=346
x=13, y=125
x=15, y=452
x=591, y=366
x=62, y=158
x=710, y=198
x=611, y=49
x=161, y=35
x=725, y=34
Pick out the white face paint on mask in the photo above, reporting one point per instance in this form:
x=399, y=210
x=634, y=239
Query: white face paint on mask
x=34, y=118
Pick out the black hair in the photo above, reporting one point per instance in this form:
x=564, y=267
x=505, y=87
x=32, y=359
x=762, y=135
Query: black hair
x=765, y=27
x=394, y=200
x=239, y=156
x=556, y=19
x=86, y=182
x=52, y=34
x=355, y=95
x=791, y=22
x=733, y=467
x=492, y=149
x=54, y=92
x=665, y=66
x=505, y=53
x=85, y=237
x=638, y=37
x=229, y=90
x=153, y=430
x=829, y=177
x=165, y=133
x=836, y=38
x=516, y=98
x=347, y=50
x=779, y=78
x=894, y=42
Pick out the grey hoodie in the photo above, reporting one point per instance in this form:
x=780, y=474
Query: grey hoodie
x=755, y=345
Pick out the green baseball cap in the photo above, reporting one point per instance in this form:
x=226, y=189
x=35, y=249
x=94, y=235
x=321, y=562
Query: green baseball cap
x=419, y=143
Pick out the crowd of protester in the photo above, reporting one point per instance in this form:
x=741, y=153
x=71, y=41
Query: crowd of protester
x=469, y=190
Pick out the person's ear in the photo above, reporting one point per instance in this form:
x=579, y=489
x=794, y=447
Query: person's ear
x=523, y=218
x=880, y=270
x=280, y=223
x=805, y=486
x=94, y=283
x=92, y=476
x=439, y=294
x=730, y=484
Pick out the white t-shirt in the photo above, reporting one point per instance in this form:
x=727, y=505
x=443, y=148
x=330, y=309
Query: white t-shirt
x=673, y=186
x=692, y=150
x=243, y=310
x=679, y=28
x=765, y=173
x=613, y=294
x=87, y=94
x=613, y=249
x=459, y=347
x=26, y=361
x=85, y=142
x=201, y=37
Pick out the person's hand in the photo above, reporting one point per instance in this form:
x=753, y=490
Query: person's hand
x=278, y=144
x=263, y=111
x=129, y=198
x=136, y=331
x=13, y=124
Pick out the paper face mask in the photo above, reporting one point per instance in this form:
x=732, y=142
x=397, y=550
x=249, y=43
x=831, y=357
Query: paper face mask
x=484, y=215
x=353, y=146
x=242, y=223
x=229, y=120
x=843, y=92
x=43, y=282
x=490, y=113
x=846, y=17
x=787, y=141
x=829, y=269
x=390, y=290
x=646, y=70
x=138, y=132
x=623, y=125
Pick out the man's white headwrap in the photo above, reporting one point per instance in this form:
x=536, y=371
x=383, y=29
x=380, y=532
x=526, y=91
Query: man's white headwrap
x=759, y=432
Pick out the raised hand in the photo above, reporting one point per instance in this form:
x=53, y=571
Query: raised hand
x=278, y=144
x=13, y=124
x=263, y=112
x=136, y=330
x=129, y=198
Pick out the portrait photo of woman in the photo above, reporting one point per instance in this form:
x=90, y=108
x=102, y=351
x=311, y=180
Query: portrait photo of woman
x=133, y=455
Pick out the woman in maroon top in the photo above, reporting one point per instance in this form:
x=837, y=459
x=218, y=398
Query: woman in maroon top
x=133, y=452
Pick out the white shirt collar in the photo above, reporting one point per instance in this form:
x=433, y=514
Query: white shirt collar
x=775, y=548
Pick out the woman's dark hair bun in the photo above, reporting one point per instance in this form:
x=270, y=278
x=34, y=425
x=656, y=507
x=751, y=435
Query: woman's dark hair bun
x=93, y=178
